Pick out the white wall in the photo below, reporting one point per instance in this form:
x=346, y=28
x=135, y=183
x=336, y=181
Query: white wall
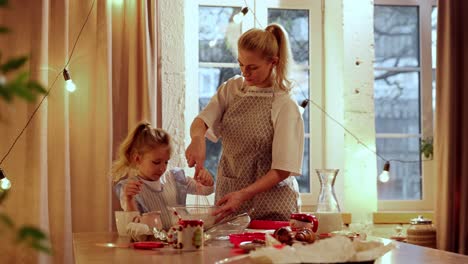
x=360, y=186
x=333, y=134
x=173, y=75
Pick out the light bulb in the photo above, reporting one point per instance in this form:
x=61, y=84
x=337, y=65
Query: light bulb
x=70, y=85
x=5, y=184
x=238, y=18
x=212, y=43
x=385, y=175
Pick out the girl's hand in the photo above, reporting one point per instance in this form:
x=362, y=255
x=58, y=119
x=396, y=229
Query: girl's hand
x=132, y=188
x=230, y=203
x=204, y=177
x=196, y=154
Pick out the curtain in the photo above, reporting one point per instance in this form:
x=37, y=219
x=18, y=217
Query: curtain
x=59, y=167
x=134, y=75
x=451, y=144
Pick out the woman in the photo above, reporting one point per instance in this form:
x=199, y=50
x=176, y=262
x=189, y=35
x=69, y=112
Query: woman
x=261, y=128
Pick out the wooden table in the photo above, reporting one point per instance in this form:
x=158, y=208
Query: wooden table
x=104, y=248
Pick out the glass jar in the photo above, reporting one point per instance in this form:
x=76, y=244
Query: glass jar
x=421, y=232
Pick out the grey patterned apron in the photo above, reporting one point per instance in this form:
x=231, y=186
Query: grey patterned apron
x=153, y=200
x=150, y=199
x=247, y=136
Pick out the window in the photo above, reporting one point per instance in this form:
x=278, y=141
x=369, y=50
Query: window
x=403, y=98
x=217, y=62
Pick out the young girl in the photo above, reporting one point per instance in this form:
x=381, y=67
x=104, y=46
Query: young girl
x=262, y=131
x=140, y=170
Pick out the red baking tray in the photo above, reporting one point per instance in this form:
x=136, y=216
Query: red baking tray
x=267, y=224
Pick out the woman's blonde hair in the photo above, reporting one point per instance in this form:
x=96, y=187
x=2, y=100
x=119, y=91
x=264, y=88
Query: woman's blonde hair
x=271, y=42
x=142, y=139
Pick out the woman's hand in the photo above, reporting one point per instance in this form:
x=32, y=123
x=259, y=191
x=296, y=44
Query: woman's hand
x=132, y=188
x=230, y=203
x=196, y=154
x=204, y=177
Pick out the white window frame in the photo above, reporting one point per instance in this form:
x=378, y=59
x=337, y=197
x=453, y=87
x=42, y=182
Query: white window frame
x=425, y=71
x=315, y=70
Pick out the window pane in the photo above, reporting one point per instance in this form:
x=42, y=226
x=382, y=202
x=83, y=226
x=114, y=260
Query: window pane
x=300, y=92
x=217, y=34
x=210, y=79
x=304, y=179
x=296, y=23
x=405, y=177
x=396, y=99
x=434, y=54
x=213, y=154
x=434, y=36
x=433, y=90
x=396, y=34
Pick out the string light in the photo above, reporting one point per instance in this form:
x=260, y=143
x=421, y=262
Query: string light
x=69, y=84
x=240, y=16
x=384, y=176
x=51, y=85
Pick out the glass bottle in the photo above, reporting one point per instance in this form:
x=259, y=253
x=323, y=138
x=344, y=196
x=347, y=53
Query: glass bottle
x=327, y=201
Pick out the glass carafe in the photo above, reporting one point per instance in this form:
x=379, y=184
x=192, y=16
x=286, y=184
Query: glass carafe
x=328, y=209
x=327, y=201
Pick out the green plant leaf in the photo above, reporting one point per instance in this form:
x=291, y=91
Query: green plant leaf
x=5, y=94
x=34, y=238
x=36, y=87
x=3, y=2
x=30, y=232
x=19, y=87
x=4, y=30
x=40, y=247
x=13, y=64
x=21, y=78
x=7, y=220
x=427, y=147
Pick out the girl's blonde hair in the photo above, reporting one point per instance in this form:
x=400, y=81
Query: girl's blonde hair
x=271, y=42
x=142, y=139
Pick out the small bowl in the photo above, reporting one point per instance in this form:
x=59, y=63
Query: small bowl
x=236, y=239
